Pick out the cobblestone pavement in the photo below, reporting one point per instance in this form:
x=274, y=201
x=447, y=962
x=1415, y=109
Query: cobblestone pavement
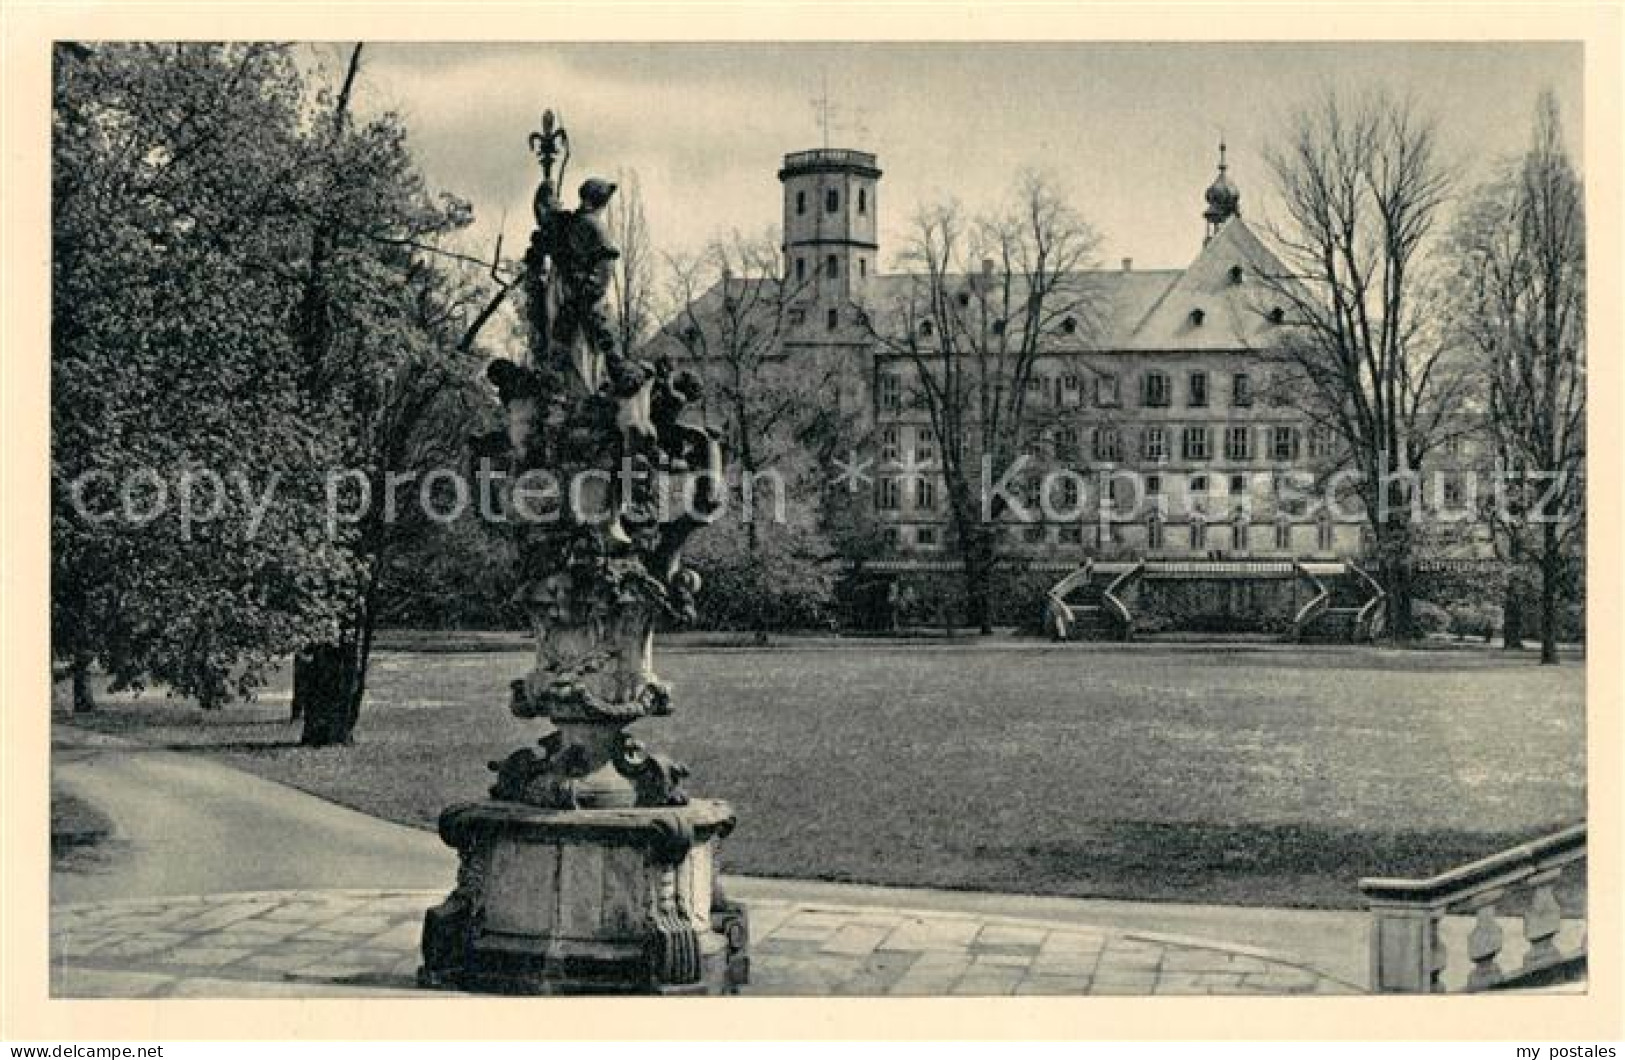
x=326, y=943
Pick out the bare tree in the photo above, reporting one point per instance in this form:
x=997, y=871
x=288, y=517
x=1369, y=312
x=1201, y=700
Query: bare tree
x=733, y=313
x=1523, y=305
x=1363, y=188
x=632, y=282
x=985, y=300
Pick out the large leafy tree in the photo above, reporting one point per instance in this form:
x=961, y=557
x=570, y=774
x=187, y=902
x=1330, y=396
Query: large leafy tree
x=176, y=176
x=249, y=284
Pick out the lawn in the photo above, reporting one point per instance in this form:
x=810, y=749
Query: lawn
x=1155, y=772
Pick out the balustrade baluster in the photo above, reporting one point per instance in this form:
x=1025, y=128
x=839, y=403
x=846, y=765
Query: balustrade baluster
x=1542, y=921
x=1484, y=946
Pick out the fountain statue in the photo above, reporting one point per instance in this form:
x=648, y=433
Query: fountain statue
x=589, y=869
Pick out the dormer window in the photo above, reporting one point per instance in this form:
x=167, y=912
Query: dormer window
x=1069, y=326
x=1235, y=274
x=964, y=298
x=1197, y=316
x=1277, y=315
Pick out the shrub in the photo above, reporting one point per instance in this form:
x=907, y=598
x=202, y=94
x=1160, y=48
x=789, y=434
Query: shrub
x=1429, y=618
x=1475, y=620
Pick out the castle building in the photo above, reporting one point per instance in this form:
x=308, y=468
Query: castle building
x=1161, y=424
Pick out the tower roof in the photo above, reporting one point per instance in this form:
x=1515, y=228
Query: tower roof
x=829, y=160
x=1223, y=198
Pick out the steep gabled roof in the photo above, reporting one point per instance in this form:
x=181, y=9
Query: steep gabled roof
x=1230, y=306
x=1201, y=308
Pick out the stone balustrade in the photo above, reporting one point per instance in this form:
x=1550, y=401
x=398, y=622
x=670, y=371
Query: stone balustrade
x=1409, y=917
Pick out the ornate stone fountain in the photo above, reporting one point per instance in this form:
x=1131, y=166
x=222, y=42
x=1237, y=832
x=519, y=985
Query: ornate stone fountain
x=589, y=870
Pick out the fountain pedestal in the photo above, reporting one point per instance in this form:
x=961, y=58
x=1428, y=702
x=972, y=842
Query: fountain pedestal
x=597, y=901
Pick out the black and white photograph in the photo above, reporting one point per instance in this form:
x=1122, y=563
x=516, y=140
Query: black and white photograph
x=818, y=519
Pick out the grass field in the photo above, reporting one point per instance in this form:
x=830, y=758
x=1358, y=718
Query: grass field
x=1152, y=772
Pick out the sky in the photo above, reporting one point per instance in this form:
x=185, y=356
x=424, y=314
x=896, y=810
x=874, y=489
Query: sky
x=1129, y=132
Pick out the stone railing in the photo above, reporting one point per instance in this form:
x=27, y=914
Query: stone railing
x=1058, y=616
x=1409, y=921
x=1314, y=607
x=1115, y=603
x=1365, y=623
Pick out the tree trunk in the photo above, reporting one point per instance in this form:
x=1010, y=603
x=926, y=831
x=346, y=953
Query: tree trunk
x=84, y=701
x=1512, y=613
x=1551, y=569
x=979, y=584
x=1394, y=548
x=325, y=682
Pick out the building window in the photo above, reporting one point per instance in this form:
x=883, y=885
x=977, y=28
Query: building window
x=1284, y=442
x=1069, y=382
x=863, y=200
x=1104, y=443
x=1452, y=491
x=833, y=319
x=1277, y=315
x=1066, y=443
x=1033, y=535
x=801, y=270
x=832, y=267
x=927, y=536
x=1235, y=274
x=891, y=392
x=925, y=495
x=1198, y=390
x=798, y=315
x=1324, y=534
x=1069, y=326
x=1198, y=535
x=1452, y=447
x=1238, y=485
x=1106, y=390
x=891, y=536
x=1071, y=535
x=1154, y=389
x=1195, y=443
x=1283, y=536
x=888, y=442
x=1153, y=533
x=925, y=329
x=1320, y=441
x=1241, y=390
x=887, y=494
x=1069, y=492
x=801, y=202
x=1153, y=485
x=925, y=449
x=832, y=201
x=863, y=268
x=1035, y=384
x=1154, y=444
x=1032, y=491
x=1238, y=443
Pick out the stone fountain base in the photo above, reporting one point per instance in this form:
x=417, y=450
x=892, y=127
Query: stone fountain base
x=592, y=901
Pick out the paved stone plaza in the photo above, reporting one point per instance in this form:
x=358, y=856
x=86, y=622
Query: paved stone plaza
x=326, y=943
